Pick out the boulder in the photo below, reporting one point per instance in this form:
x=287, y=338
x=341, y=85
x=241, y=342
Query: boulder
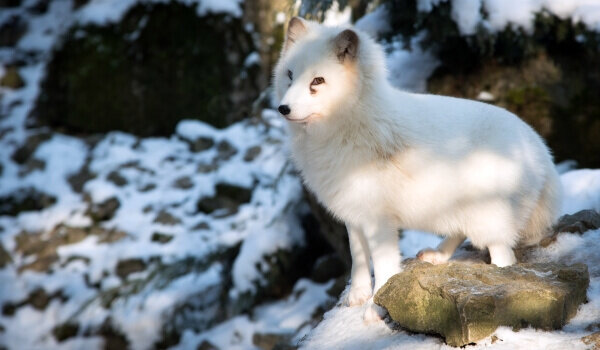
x=226, y=201
x=12, y=79
x=159, y=64
x=465, y=302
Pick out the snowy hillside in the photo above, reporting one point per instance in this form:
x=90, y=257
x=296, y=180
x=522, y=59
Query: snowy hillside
x=194, y=240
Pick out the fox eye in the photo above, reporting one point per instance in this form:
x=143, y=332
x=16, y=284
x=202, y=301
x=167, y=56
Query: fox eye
x=290, y=74
x=317, y=81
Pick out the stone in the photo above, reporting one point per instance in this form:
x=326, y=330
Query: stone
x=5, y=258
x=105, y=210
x=25, y=151
x=225, y=150
x=201, y=144
x=579, y=222
x=12, y=30
x=25, y=199
x=183, y=183
x=44, y=246
x=161, y=238
x=270, y=341
x=206, y=345
x=141, y=74
x=116, y=178
x=12, y=79
x=126, y=267
x=332, y=230
x=327, y=267
x=165, y=218
x=79, y=179
x=226, y=201
x=252, y=153
x=65, y=331
x=592, y=340
x=465, y=302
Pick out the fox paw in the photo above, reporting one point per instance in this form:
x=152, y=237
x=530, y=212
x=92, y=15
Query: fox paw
x=373, y=313
x=358, y=295
x=432, y=256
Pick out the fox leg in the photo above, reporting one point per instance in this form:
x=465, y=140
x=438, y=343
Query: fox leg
x=383, y=245
x=360, y=275
x=443, y=252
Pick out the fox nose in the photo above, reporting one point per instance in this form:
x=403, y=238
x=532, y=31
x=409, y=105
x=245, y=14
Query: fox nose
x=284, y=109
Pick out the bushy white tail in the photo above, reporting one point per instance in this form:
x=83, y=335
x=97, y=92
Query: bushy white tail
x=545, y=213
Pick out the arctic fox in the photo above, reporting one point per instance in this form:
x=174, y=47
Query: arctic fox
x=381, y=159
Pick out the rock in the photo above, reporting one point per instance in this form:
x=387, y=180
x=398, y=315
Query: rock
x=226, y=201
x=142, y=74
x=24, y=153
x=252, y=153
x=105, y=210
x=126, y=267
x=225, y=151
x=65, y=331
x=38, y=299
x=206, y=168
x=161, y=238
x=31, y=165
x=114, y=339
x=201, y=144
x=270, y=341
x=79, y=179
x=12, y=79
x=326, y=268
x=592, y=340
x=328, y=227
x=116, y=178
x=466, y=302
x=579, y=222
x=5, y=258
x=12, y=30
x=165, y=218
x=206, y=345
x=44, y=246
x=26, y=199
x=183, y=183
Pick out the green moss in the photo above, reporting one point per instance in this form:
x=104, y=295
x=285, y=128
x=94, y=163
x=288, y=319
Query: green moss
x=160, y=64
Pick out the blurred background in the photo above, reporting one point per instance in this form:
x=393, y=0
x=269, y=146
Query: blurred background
x=146, y=195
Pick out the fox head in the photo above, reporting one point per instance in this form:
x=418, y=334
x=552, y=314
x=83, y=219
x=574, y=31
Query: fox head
x=318, y=75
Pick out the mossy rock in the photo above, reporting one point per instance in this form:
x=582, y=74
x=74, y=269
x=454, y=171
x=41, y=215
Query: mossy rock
x=161, y=63
x=466, y=302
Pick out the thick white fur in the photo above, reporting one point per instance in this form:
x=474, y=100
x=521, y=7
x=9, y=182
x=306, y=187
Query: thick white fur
x=381, y=159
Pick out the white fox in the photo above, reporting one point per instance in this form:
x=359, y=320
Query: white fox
x=381, y=159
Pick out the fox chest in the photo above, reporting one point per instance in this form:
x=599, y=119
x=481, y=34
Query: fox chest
x=347, y=189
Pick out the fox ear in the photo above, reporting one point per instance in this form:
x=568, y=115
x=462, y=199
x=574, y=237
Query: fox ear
x=296, y=29
x=345, y=45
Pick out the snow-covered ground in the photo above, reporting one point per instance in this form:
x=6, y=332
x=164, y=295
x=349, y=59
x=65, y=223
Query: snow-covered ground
x=158, y=182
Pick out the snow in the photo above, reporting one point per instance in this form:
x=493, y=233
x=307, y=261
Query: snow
x=515, y=13
x=374, y=23
x=581, y=190
x=281, y=317
x=336, y=17
x=102, y=12
x=409, y=69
